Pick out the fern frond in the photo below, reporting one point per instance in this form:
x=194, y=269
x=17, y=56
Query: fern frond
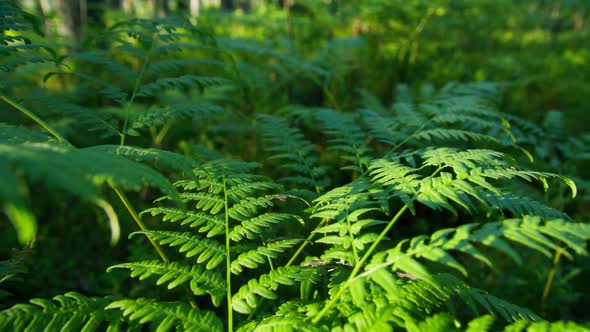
x=252, y=227
x=172, y=65
x=530, y=232
x=69, y=312
x=159, y=159
x=289, y=146
x=210, y=251
x=78, y=172
x=161, y=84
x=10, y=134
x=447, y=134
x=105, y=62
x=167, y=316
x=247, y=298
x=173, y=274
x=251, y=259
x=213, y=225
x=160, y=116
x=473, y=171
x=385, y=129
x=347, y=137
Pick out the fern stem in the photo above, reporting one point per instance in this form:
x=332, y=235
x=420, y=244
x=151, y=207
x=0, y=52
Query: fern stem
x=367, y=255
x=35, y=118
x=133, y=95
x=227, y=261
x=138, y=221
x=351, y=236
x=332, y=302
x=305, y=243
x=550, y=278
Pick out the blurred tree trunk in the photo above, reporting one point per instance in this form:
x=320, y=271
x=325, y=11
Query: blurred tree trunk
x=227, y=4
x=162, y=8
x=127, y=7
x=195, y=7
x=242, y=4
x=72, y=14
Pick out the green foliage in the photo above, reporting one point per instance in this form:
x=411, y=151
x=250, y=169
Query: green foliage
x=208, y=115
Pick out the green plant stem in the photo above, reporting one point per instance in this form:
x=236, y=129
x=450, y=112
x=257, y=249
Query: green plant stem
x=305, y=243
x=227, y=262
x=550, y=278
x=35, y=118
x=133, y=95
x=332, y=302
x=138, y=221
x=121, y=195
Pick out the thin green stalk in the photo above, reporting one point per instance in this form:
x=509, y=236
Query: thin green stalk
x=360, y=264
x=138, y=221
x=351, y=236
x=550, y=278
x=35, y=118
x=121, y=195
x=366, y=256
x=133, y=95
x=227, y=262
x=305, y=243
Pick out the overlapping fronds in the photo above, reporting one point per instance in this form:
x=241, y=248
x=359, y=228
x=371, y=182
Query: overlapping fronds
x=248, y=297
x=474, y=179
x=346, y=137
x=296, y=154
x=69, y=312
x=167, y=316
x=79, y=172
x=231, y=205
x=174, y=274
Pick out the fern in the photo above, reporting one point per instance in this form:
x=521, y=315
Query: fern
x=230, y=203
x=288, y=145
x=347, y=138
x=69, y=312
x=165, y=316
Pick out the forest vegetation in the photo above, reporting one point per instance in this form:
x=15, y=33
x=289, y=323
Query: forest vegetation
x=294, y=165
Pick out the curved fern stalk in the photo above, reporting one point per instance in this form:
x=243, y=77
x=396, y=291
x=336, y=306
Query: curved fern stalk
x=90, y=164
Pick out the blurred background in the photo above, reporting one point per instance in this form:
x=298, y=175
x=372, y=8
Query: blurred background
x=541, y=47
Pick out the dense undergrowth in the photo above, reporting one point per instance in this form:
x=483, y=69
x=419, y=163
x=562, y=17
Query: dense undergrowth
x=252, y=187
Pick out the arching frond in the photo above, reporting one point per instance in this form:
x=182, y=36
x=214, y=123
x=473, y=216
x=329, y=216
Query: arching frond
x=162, y=84
x=248, y=297
x=167, y=316
x=69, y=312
x=173, y=274
x=208, y=250
x=296, y=154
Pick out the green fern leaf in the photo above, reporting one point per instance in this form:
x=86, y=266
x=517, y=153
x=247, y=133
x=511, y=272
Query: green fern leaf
x=69, y=312
x=213, y=225
x=174, y=274
x=208, y=250
x=251, y=259
x=246, y=299
x=159, y=85
x=167, y=316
